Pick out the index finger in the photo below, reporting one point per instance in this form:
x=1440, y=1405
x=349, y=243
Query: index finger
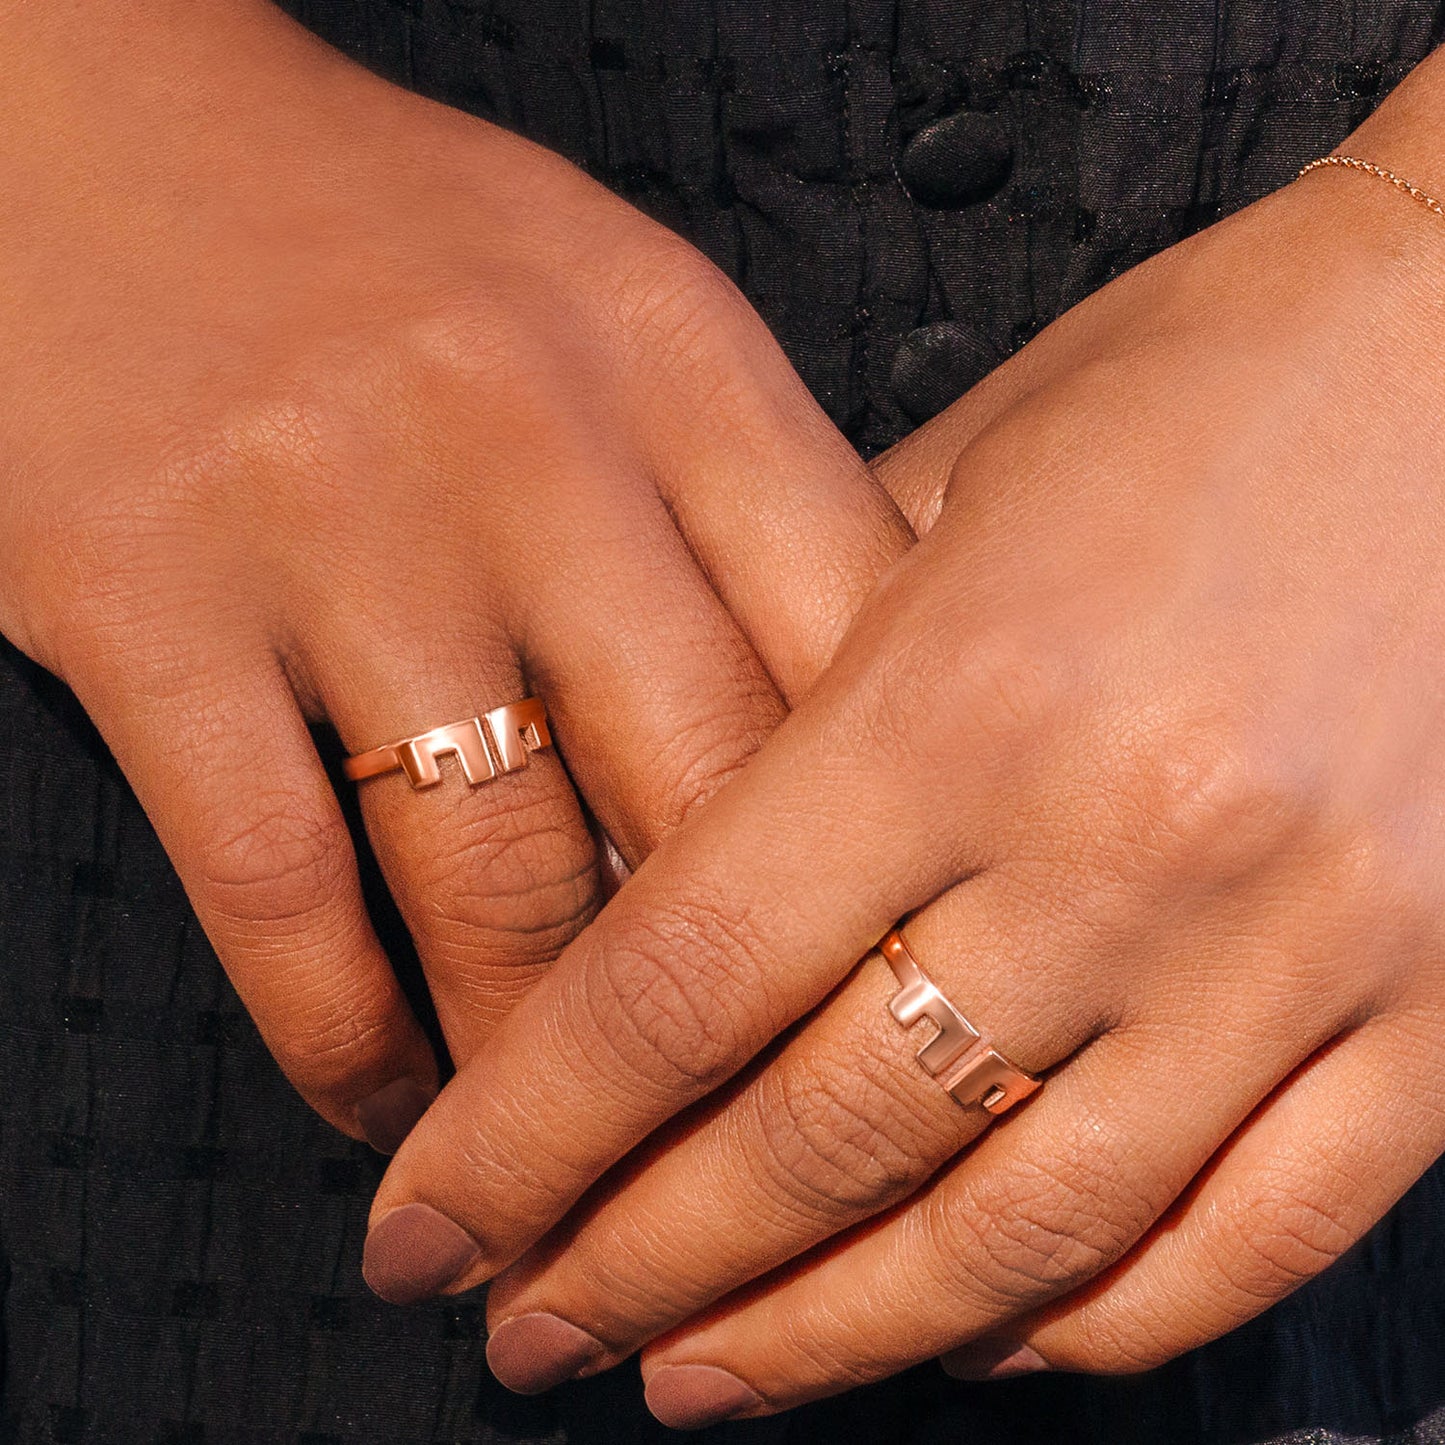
x=738, y=924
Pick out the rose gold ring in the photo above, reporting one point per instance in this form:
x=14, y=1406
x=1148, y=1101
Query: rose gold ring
x=962, y=1059
x=497, y=742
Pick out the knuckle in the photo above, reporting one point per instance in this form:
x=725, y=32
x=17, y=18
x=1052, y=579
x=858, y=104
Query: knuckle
x=677, y=309
x=117, y=560
x=461, y=341
x=1287, y=1237
x=302, y=440
x=312, y=437
x=280, y=871
x=666, y=995
x=670, y=282
x=1042, y=1230
x=1216, y=808
x=512, y=884
x=109, y=582
x=836, y=1140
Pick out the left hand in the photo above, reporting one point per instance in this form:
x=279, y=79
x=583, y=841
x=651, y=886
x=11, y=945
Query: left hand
x=1153, y=713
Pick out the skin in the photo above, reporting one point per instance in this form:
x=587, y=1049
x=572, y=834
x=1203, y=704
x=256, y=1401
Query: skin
x=1143, y=737
x=1144, y=712
x=325, y=403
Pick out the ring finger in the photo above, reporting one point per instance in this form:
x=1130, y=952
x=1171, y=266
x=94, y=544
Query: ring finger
x=492, y=878
x=656, y=699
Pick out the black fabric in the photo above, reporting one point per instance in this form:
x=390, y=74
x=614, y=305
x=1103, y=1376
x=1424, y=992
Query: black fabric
x=908, y=190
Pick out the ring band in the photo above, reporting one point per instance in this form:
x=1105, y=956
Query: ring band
x=962, y=1059
x=497, y=742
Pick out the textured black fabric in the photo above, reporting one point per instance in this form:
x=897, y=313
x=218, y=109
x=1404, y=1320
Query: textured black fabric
x=824, y=152
x=908, y=190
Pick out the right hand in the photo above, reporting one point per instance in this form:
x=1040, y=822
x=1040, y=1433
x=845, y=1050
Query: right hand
x=323, y=401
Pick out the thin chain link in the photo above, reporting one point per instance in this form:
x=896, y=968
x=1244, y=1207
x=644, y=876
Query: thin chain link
x=1370, y=168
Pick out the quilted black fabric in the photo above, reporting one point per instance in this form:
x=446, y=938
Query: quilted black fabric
x=908, y=190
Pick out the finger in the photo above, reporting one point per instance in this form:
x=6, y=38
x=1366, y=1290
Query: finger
x=841, y=1122
x=836, y=1125
x=213, y=742
x=1286, y=1198
x=779, y=509
x=656, y=698
x=492, y=878
x=1040, y=1205
x=679, y=984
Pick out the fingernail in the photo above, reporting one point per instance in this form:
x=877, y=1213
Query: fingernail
x=690, y=1397
x=390, y=1114
x=992, y=1360
x=414, y=1252
x=534, y=1352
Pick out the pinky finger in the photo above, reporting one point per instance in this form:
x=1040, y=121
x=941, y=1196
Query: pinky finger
x=220, y=757
x=1315, y=1167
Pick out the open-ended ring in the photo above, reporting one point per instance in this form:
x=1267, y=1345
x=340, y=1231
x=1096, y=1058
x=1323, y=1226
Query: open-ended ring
x=497, y=742
x=962, y=1059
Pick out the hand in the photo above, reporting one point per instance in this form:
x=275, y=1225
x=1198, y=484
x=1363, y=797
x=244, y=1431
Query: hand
x=326, y=402
x=1152, y=713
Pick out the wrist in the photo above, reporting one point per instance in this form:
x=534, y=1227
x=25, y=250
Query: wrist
x=1406, y=133
x=1381, y=211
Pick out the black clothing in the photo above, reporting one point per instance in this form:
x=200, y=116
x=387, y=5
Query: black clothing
x=907, y=190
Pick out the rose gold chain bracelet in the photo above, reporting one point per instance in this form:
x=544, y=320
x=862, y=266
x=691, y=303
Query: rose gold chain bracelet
x=1354, y=163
